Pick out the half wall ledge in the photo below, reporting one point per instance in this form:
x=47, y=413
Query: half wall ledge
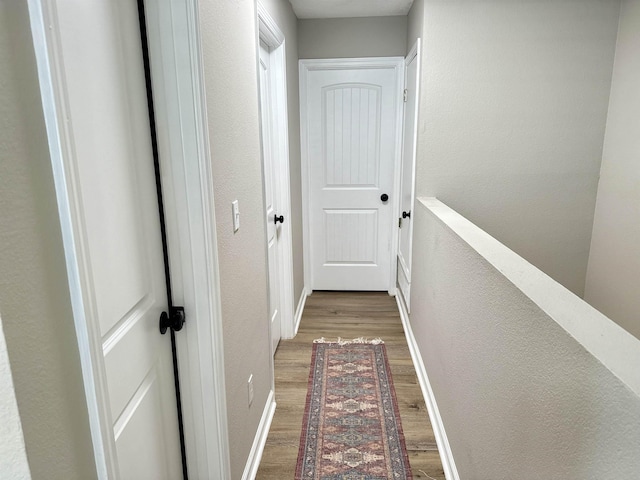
x=610, y=344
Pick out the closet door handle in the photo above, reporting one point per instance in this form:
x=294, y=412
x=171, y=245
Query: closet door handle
x=277, y=219
x=406, y=214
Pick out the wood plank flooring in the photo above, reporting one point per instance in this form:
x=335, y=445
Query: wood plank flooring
x=348, y=315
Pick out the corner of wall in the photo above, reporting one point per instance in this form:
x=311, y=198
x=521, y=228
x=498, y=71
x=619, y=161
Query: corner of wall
x=613, y=266
x=13, y=455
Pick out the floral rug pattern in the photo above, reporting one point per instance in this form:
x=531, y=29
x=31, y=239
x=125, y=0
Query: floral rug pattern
x=351, y=427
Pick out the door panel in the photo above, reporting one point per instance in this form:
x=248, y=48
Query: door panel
x=351, y=132
x=107, y=128
x=352, y=135
x=351, y=237
x=106, y=100
x=270, y=190
x=128, y=358
x=137, y=459
x=407, y=175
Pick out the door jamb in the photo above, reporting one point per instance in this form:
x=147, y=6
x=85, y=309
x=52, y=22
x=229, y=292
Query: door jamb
x=185, y=160
x=187, y=179
x=270, y=33
x=305, y=66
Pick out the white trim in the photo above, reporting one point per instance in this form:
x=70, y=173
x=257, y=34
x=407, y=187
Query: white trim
x=353, y=63
x=444, y=449
x=306, y=66
x=187, y=180
x=270, y=33
x=300, y=310
x=395, y=197
x=304, y=174
x=415, y=50
x=255, y=455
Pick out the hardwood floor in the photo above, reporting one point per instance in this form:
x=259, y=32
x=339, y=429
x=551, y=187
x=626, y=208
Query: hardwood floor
x=348, y=315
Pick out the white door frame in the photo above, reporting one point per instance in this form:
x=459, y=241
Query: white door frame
x=413, y=56
x=305, y=66
x=175, y=53
x=270, y=33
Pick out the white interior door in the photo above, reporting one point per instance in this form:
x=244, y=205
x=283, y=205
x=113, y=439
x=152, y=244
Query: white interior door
x=270, y=192
x=408, y=171
x=117, y=234
x=351, y=133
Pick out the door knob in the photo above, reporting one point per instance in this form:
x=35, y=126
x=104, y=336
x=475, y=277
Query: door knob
x=384, y=197
x=406, y=214
x=173, y=320
x=277, y=219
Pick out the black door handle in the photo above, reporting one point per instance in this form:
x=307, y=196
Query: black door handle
x=406, y=214
x=277, y=219
x=173, y=320
x=384, y=197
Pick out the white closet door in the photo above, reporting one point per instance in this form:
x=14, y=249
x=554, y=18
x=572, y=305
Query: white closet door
x=408, y=173
x=351, y=133
x=270, y=186
x=119, y=234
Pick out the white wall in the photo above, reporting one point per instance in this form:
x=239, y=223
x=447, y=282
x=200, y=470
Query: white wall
x=229, y=42
x=614, y=260
x=13, y=455
x=34, y=297
x=513, y=106
x=352, y=37
x=520, y=397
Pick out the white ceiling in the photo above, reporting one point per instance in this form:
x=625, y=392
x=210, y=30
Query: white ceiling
x=350, y=8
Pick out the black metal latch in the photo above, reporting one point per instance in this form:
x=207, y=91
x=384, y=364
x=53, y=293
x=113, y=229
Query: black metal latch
x=173, y=320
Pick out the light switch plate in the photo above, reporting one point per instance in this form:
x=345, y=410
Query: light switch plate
x=250, y=389
x=235, y=210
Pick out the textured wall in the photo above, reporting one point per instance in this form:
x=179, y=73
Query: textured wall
x=13, y=455
x=512, y=116
x=352, y=37
x=282, y=13
x=415, y=23
x=229, y=40
x=34, y=297
x=519, y=397
x=614, y=261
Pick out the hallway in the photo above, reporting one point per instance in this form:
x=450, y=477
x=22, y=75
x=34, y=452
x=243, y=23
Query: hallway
x=347, y=315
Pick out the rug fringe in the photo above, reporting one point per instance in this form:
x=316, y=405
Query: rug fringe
x=340, y=341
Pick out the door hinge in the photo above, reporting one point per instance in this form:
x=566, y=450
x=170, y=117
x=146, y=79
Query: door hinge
x=404, y=95
x=174, y=320
x=400, y=222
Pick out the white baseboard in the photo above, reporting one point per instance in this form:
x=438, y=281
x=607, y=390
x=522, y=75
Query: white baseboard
x=255, y=455
x=444, y=449
x=299, y=310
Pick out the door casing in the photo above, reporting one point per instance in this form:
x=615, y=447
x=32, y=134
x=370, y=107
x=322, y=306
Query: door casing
x=305, y=66
x=187, y=182
x=270, y=33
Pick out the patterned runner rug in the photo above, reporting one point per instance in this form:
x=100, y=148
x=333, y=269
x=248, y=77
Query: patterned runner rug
x=351, y=428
